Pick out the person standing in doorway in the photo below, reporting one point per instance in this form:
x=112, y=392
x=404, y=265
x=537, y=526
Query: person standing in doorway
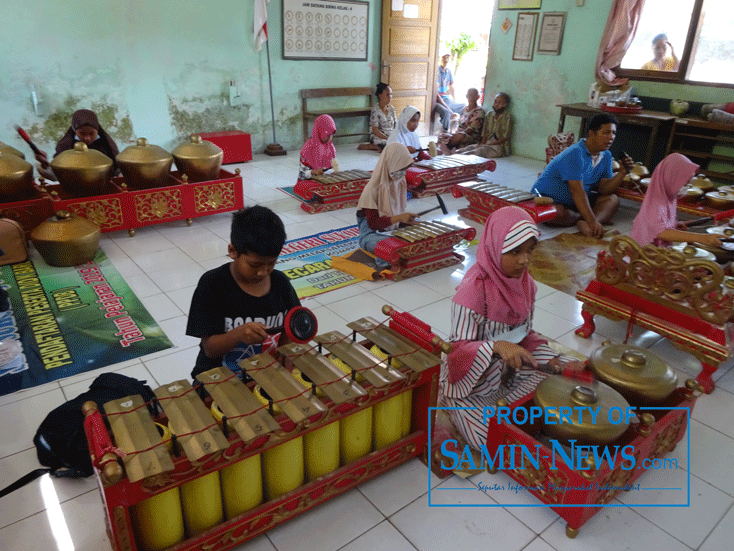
x=446, y=106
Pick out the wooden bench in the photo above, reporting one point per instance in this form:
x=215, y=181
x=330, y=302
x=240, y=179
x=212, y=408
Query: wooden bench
x=666, y=292
x=336, y=113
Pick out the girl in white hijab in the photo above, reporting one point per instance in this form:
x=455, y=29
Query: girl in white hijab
x=383, y=203
x=404, y=132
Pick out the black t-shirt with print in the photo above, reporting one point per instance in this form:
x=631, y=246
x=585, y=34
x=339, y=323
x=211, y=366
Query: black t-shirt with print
x=219, y=305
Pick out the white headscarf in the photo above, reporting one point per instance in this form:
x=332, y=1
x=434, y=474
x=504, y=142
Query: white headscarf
x=401, y=134
x=382, y=193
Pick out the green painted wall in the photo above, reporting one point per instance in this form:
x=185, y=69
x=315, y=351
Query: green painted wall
x=157, y=69
x=538, y=86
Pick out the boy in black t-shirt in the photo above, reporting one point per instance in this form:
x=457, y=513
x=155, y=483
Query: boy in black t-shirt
x=234, y=304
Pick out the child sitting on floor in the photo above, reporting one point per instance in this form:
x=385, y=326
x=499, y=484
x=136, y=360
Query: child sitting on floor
x=235, y=304
x=656, y=221
x=383, y=203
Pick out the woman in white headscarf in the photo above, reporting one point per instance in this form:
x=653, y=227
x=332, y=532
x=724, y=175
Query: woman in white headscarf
x=383, y=203
x=404, y=132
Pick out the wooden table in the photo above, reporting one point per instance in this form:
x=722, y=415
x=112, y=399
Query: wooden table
x=653, y=119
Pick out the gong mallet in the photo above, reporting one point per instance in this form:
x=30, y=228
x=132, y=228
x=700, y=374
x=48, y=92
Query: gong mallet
x=707, y=219
x=441, y=205
x=300, y=325
x=23, y=134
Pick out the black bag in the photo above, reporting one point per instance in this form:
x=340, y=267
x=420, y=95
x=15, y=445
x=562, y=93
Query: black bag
x=61, y=443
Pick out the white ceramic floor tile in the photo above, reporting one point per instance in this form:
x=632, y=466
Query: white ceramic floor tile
x=28, y=500
x=613, y=528
x=443, y=281
x=173, y=367
x=464, y=526
x=559, y=304
x=161, y=307
x=23, y=418
x=539, y=544
x=584, y=346
x=143, y=244
x=716, y=410
x=175, y=330
x=437, y=315
x=721, y=537
x=170, y=279
x=91, y=375
x=691, y=524
x=328, y=320
x=551, y=325
x=75, y=524
x=383, y=536
x=617, y=331
x=406, y=296
x=545, y=290
x=182, y=297
x=535, y=518
x=142, y=285
x=395, y=489
x=19, y=395
x=356, y=515
x=126, y=267
x=168, y=259
x=215, y=247
x=363, y=305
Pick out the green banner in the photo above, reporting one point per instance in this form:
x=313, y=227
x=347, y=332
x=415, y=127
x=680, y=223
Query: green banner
x=69, y=321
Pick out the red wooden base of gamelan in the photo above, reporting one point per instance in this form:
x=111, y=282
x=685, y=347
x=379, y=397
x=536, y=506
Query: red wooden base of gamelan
x=126, y=209
x=649, y=442
x=320, y=197
x=423, y=256
x=482, y=204
x=235, y=144
x=119, y=498
x=423, y=182
x=697, y=208
x=30, y=212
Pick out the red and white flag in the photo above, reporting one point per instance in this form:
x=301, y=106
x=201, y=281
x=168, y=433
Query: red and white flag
x=261, y=23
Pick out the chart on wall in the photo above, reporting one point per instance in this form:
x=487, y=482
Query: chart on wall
x=335, y=30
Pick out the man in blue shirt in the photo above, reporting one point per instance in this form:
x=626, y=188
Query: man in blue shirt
x=581, y=182
x=445, y=103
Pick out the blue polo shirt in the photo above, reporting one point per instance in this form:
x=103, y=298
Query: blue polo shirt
x=445, y=79
x=572, y=164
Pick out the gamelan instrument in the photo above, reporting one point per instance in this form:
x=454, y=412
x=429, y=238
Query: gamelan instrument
x=316, y=421
x=422, y=248
x=300, y=325
x=336, y=190
x=486, y=197
x=440, y=174
x=625, y=377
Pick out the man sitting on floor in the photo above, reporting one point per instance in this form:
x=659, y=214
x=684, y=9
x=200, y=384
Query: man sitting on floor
x=580, y=180
x=495, y=140
x=470, y=126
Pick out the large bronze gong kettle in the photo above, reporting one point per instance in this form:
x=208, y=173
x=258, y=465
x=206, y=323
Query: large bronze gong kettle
x=557, y=392
x=641, y=376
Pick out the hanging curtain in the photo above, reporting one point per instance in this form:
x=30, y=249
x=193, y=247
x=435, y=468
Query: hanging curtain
x=618, y=35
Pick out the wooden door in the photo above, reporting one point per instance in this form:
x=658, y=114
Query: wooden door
x=409, y=55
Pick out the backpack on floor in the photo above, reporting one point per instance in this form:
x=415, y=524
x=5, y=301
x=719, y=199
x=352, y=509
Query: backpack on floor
x=61, y=444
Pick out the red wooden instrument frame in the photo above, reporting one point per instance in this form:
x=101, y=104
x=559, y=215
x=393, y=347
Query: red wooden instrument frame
x=120, y=497
x=482, y=204
x=649, y=442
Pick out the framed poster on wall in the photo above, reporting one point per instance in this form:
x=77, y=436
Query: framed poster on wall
x=518, y=5
x=335, y=30
x=527, y=24
x=551, y=33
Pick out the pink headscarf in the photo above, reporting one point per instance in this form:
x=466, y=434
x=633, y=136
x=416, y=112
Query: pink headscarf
x=488, y=291
x=485, y=287
x=658, y=210
x=314, y=153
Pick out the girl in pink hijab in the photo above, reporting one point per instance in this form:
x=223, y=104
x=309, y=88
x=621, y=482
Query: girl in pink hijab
x=318, y=151
x=495, y=348
x=656, y=221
